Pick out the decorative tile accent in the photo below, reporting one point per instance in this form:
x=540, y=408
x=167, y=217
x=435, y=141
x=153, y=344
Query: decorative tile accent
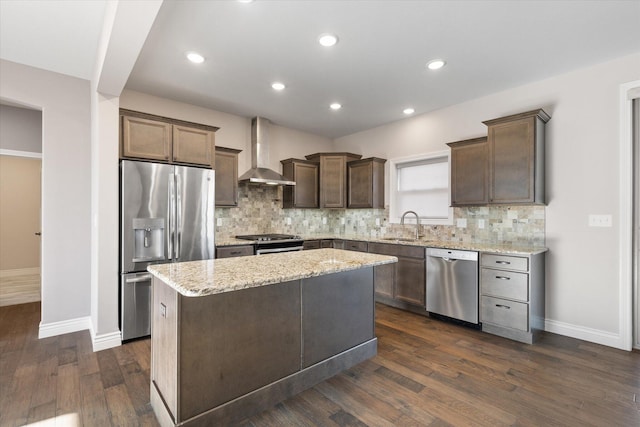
x=260, y=211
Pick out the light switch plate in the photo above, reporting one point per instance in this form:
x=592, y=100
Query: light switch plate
x=219, y=222
x=288, y=220
x=378, y=222
x=600, y=221
x=481, y=223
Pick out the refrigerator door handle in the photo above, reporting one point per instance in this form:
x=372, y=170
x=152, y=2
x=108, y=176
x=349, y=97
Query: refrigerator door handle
x=178, y=224
x=171, y=215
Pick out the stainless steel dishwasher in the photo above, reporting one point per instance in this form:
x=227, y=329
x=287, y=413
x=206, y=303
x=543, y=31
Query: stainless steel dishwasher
x=452, y=284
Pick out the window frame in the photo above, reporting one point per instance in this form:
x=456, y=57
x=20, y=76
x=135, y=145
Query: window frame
x=393, y=186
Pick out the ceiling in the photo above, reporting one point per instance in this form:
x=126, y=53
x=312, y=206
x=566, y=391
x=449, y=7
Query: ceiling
x=60, y=36
x=375, y=71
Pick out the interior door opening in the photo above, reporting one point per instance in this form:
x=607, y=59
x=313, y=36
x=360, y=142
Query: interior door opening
x=20, y=205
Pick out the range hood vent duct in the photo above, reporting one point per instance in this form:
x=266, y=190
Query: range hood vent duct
x=260, y=172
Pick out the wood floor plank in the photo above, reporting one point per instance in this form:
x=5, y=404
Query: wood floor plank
x=121, y=410
x=95, y=411
x=110, y=372
x=68, y=399
x=358, y=402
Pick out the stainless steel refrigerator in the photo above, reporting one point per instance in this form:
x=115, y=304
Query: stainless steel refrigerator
x=166, y=215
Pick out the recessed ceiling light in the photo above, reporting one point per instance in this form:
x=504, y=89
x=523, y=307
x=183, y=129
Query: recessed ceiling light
x=335, y=106
x=278, y=86
x=194, y=57
x=327, y=40
x=408, y=111
x=436, y=64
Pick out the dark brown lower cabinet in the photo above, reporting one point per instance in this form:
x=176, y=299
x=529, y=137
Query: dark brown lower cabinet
x=383, y=279
x=401, y=285
x=234, y=251
x=311, y=244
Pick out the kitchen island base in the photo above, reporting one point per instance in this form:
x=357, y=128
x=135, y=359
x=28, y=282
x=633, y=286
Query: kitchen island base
x=220, y=358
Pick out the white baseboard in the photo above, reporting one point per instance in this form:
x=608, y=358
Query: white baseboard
x=99, y=342
x=583, y=333
x=105, y=341
x=53, y=329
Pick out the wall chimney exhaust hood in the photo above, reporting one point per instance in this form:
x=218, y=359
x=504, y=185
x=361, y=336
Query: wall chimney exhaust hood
x=260, y=172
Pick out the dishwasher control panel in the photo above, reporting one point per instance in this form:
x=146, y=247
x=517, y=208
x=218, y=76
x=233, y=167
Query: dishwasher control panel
x=453, y=254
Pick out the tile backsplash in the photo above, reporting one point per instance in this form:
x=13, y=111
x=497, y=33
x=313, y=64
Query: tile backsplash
x=260, y=211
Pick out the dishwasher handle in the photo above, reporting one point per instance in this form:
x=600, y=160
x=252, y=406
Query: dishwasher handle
x=452, y=254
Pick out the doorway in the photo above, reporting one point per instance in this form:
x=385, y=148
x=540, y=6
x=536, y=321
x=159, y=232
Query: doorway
x=20, y=205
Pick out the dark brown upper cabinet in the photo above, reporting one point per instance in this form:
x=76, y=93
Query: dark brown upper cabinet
x=305, y=193
x=333, y=177
x=226, y=167
x=469, y=172
x=516, y=158
x=365, y=183
x=149, y=137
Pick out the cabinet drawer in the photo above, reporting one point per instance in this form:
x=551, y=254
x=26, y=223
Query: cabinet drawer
x=354, y=245
x=327, y=243
x=233, y=251
x=504, y=284
x=311, y=244
x=505, y=261
x=505, y=313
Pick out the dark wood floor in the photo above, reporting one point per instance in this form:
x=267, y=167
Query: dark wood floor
x=427, y=373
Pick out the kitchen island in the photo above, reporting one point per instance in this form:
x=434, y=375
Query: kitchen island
x=232, y=337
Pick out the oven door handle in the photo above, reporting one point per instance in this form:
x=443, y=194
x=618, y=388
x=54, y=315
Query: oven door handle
x=276, y=250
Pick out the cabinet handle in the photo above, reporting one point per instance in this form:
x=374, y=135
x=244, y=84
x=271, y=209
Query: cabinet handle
x=235, y=252
x=503, y=277
x=503, y=306
x=503, y=262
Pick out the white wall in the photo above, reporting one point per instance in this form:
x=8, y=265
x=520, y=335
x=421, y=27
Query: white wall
x=582, y=163
x=20, y=129
x=66, y=179
x=234, y=132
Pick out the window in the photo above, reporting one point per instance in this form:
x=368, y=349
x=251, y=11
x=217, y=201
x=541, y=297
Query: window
x=421, y=184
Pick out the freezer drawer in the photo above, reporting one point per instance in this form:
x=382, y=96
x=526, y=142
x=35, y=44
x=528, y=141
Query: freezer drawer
x=135, y=305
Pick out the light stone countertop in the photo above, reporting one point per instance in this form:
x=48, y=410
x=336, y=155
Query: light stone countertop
x=469, y=246
x=200, y=278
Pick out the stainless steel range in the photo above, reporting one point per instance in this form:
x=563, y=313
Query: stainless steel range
x=273, y=243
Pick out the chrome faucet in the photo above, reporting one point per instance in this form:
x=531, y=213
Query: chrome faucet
x=417, y=222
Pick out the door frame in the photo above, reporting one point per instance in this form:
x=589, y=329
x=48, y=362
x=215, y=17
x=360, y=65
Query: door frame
x=626, y=285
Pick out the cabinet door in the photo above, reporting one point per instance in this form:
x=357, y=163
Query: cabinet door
x=410, y=281
x=360, y=185
x=193, y=145
x=306, y=189
x=226, y=166
x=383, y=278
x=470, y=172
x=512, y=161
x=333, y=180
x=146, y=139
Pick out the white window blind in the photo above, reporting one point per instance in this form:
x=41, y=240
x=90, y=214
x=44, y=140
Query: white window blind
x=423, y=186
